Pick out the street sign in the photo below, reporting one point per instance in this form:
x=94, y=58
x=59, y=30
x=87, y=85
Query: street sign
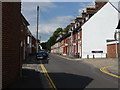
x=97, y=51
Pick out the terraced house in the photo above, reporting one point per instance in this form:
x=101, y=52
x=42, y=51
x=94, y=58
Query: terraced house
x=89, y=33
x=16, y=42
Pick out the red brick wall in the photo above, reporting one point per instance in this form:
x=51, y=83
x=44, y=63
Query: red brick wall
x=111, y=50
x=11, y=26
x=23, y=37
x=34, y=44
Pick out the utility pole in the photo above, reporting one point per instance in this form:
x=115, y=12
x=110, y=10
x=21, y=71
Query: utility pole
x=37, y=29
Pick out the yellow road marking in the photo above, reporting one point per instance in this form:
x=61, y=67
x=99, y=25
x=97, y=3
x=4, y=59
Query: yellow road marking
x=50, y=82
x=101, y=69
x=104, y=71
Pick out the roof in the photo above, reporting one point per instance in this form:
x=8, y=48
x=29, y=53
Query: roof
x=91, y=6
x=101, y=0
x=115, y=5
x=24, y=20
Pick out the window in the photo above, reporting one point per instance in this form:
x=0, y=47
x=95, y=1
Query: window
x=28, y=40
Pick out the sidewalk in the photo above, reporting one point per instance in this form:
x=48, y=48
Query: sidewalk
x=31, y=75
x=99, y=63
x=29, y=79
x=111, y=64
x=114, y=70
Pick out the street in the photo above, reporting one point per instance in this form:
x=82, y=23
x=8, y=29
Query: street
x=60, y=73
x=77, y=74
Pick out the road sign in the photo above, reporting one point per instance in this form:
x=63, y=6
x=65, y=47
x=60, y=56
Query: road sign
x=97, y=51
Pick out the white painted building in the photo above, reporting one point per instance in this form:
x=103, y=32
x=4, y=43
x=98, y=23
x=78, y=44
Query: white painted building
x=100, y=27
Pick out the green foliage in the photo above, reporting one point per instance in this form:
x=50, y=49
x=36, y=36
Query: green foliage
x=65, y=30
x=53, y=38
x=44, y=45
x=56, y=33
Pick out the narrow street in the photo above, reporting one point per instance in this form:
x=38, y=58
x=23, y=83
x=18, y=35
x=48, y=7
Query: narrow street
x=77, y=74
x=63, y=73
x=56, y=44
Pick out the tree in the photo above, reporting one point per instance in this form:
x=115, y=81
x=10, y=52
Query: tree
x=56, y=33
x=65, y=30
x=44, y=45
x=53, y=38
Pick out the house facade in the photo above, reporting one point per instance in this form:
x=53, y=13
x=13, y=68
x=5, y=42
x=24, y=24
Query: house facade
x=88, y=33
x=34, y=50
x=16, y=43
x=97, y=30
x=24, y=38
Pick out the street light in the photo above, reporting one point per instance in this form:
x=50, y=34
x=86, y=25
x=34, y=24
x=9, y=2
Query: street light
x=37, y=29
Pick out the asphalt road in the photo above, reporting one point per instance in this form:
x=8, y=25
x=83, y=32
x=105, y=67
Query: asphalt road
x=77, y=74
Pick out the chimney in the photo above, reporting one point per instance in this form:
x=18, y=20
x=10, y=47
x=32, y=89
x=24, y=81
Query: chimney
x=100, y=3
x=83, y=14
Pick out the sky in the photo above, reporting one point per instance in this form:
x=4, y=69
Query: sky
x=52, y=15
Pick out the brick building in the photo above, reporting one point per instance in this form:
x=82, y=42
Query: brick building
x=33, y=45
x=11, y=29
x=113, y=46
x=97, y=30
x=24, y=38
x=113, y=50
x=80, y=42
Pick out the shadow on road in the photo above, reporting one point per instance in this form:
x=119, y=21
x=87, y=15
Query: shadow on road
x=30, y=79
x=66, y=80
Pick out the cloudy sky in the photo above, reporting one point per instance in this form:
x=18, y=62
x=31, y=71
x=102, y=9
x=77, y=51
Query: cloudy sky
x=52, y=15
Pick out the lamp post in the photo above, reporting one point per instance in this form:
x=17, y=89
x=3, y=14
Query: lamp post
x=37, y=29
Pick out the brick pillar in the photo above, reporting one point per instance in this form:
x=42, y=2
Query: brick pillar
x=11, y=28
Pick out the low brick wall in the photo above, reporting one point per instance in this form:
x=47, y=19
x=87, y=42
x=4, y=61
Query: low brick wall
x=111, y=50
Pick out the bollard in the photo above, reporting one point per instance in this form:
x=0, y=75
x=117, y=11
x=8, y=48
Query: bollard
x=87, y=56
x=93, y=56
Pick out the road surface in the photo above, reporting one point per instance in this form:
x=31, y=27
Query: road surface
x=77, y=74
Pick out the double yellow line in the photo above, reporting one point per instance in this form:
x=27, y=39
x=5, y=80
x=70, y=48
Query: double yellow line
x=104, y=71
x=50, y=82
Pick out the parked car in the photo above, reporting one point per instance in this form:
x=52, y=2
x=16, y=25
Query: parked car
x=42, y=55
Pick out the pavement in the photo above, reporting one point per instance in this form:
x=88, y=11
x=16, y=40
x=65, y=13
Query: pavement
x=106, y=65
x=32, y=77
